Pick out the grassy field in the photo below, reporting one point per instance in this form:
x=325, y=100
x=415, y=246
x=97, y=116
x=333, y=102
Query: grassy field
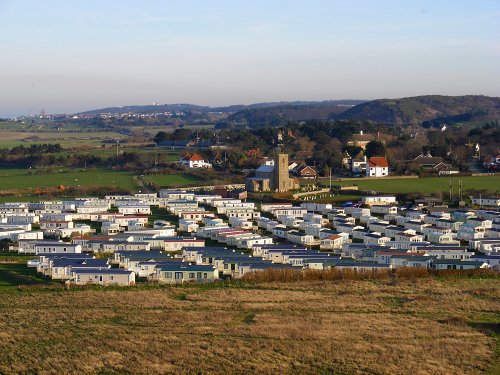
x=11, y=179
x=14, y=274
x=10, y=139
x=422, y=326
x=427, y=185
x=170, y=180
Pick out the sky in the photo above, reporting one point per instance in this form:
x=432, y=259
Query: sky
x=74, y=55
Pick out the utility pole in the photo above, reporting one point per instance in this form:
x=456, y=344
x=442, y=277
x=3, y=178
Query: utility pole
x=117, y=145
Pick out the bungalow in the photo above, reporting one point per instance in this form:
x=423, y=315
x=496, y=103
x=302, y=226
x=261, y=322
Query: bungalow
x=56, y=248
x=486, y=202
x=188, y=226
x=270, y=207
x=248, y=243
x=392, y=230
x=363, y=266
x=292, y=211
x=402, y=236
x=300, y=238
x=134, y=209
x=176, y=194
x=333, y=242
x=450, y=264
x=383, y=209
x=178, y=243
x=414, y=261
x=317, y=207
x=116, y=246
x=442, y=238
x=111, y=276
x=51, y=226
x=383, y=200
x=492, y=260
x=62, y=268
x=450, y=224
x=196, y=216
x=179, y=273
x=375, y=239
x=378, y=226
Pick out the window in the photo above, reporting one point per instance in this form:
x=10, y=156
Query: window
x=205, y=275
x=225, y=266
x=191, y=275
x=111, y=277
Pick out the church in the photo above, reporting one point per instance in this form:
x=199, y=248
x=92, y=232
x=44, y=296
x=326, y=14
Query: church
x=272, y=176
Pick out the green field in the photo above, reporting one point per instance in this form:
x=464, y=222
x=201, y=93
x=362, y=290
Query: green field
x=172, y=180
x=15, y=274
x=10, y=138
x=11, y=179
x=427, y=185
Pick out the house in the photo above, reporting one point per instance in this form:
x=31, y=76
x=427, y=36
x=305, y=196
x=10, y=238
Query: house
x=375, y=239
x=361, y=139
x=362, y=266
x=194, y=161
x=177, y=243
x=410, y=260
x=134, y=209
x=300, y=238
x=377, y=166
x=179, y=273
x=450, y=264
x=62, y=268
x=305, y=172
x=333, y=242
x=56, y=248
x=111, y=276
x=380, y=200
x=357, y=164
x=486, y=202
x=444, y=169
x=384, y=209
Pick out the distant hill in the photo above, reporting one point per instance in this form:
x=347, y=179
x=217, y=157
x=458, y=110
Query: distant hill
x=224, y=109
x=276, y=115
x=429, y=110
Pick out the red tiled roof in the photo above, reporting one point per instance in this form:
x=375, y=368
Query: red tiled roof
x=196, y=157
x=378, y=161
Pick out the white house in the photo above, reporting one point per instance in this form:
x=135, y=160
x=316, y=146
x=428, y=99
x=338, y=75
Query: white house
x=487, y=202
x=377, y=166
x=194, y=161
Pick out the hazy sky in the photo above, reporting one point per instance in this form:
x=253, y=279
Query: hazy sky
x=67, y=56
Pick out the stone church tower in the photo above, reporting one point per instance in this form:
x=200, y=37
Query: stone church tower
x=281, y=178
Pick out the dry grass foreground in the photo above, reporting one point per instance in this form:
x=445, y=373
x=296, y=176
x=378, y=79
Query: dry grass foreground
x=346, y=327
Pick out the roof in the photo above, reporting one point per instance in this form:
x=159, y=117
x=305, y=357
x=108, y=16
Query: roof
x=186, y=267
x=456, y=261
x=194, y=157
x=265, y=169
x=378, y=161
x=363, y=137
x=109, y=271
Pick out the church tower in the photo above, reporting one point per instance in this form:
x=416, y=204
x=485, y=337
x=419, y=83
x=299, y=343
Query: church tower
x=281, y=178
